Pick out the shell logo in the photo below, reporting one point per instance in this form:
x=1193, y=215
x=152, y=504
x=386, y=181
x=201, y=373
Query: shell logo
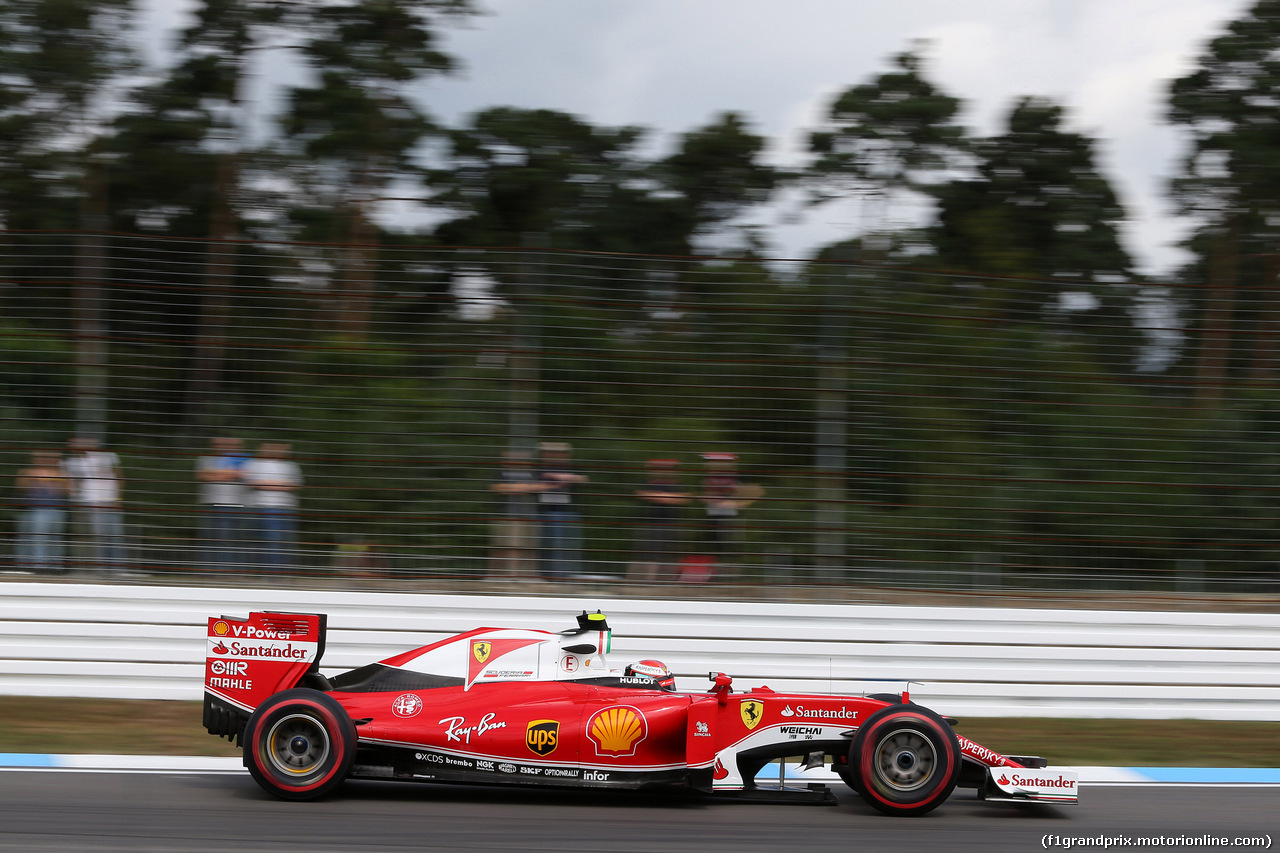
x=616, y=731
x=221, y=628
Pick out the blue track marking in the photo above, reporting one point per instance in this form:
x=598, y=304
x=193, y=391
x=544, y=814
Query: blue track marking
x=1210, y=775
x=24, y=759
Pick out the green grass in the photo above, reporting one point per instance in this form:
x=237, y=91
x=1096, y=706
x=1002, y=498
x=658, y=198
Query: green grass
x=173, y=728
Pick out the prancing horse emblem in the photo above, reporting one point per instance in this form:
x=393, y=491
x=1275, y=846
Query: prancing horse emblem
x=752, y=711
x=481, y=651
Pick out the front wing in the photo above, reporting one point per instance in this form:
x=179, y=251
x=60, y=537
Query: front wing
x=1032, y=785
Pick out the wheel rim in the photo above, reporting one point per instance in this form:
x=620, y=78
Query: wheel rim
x=297, y=745
x=904, y=759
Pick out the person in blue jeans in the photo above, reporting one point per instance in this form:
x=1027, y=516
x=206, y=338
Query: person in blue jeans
x=43, y=489
x=223, y=498
x=559, y=519
x=274, y=480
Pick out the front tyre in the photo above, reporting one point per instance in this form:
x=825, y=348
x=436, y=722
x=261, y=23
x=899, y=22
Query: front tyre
x=299, y=744
x=907, y=760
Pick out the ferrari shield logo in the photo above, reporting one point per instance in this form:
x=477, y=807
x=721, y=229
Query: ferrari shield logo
x=752, y=711
x=481, y=650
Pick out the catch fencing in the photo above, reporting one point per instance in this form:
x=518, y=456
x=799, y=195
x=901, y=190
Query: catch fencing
x=824, y=425
x=148, y=642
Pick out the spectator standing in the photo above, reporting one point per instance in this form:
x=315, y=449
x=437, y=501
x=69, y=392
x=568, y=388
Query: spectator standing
x=42, y=489
x=723, y=497
x=222, y=499
x=515, y=531
x=274, y=480
x=560, y=521
x=96, y=486
x=658, y=541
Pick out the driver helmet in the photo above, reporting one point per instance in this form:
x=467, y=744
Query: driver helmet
x=655, y=669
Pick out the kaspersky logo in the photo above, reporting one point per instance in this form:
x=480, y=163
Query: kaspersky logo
x=752, y=711
x=481, y=649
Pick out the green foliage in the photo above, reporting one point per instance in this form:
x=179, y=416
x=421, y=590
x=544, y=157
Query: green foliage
x=898, y=132
x=57, y=61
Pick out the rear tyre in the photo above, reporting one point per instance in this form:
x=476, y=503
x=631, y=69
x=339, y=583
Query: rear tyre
x=906, y=760
x=299, y=744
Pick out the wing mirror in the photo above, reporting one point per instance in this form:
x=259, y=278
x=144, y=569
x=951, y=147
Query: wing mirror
x=722, y=686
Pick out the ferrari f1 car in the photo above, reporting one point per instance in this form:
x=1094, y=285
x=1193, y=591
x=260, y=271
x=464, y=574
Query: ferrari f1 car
x=516, y=706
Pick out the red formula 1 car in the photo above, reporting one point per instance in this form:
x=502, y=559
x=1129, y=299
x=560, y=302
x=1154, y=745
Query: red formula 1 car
x=515, y=706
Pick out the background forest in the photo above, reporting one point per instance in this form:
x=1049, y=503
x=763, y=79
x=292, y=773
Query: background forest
x=993, y=398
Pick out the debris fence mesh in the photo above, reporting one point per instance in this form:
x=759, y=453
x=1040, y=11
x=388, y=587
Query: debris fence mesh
x=466, y=415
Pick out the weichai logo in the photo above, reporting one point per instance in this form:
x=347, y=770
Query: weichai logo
x=542, y=736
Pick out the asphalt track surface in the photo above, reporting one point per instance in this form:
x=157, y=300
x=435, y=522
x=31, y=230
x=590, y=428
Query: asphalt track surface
x=45, y=810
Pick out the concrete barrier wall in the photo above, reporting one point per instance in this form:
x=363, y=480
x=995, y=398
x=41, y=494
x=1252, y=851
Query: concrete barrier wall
x=144, y=642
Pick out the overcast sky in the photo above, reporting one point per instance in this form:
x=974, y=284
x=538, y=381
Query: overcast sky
x=672, y=65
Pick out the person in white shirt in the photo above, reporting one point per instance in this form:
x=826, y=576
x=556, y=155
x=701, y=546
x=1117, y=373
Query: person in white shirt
x=273, y=480
x=222, y=498
x=96, y=487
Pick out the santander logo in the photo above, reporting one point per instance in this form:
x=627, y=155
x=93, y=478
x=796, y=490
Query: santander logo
x=1037, y=782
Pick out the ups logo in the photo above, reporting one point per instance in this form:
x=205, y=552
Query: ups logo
x=541, y=736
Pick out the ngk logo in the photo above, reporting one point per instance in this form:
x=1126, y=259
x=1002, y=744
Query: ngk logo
x=228, y=667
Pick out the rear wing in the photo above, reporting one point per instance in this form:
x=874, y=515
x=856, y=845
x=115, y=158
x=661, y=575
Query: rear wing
x=249, y=660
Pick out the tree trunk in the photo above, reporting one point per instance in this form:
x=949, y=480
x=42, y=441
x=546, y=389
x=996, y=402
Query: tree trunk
x=1267, y=334
x=215, y=303
x=1215, y=334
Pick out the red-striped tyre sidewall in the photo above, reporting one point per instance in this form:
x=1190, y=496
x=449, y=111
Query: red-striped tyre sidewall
x=947, y=766
x=325, y=713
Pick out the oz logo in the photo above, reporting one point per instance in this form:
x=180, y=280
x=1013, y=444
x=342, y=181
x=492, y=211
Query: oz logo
x=542, y=736
x=752, y=711
x=481, y=650
x=406, y=705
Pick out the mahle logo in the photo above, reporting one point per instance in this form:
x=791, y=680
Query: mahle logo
x=542, y=736
x=481, y=650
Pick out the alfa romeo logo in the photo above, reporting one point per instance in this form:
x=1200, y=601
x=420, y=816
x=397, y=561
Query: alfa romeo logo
x=481, y=650
x=752, y=711
x=406, y=705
